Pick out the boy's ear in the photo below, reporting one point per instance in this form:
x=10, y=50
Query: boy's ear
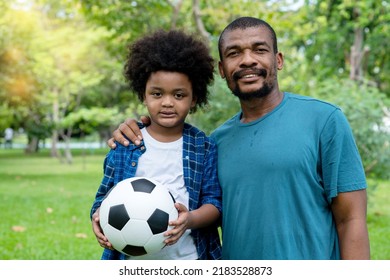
x=193, y=103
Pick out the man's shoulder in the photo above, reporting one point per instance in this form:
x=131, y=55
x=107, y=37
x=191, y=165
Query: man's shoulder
x=226, y=126
x=310, y=101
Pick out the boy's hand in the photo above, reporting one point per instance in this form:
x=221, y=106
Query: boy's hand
x=130, y=129
x=180, y=225
x=97, y=230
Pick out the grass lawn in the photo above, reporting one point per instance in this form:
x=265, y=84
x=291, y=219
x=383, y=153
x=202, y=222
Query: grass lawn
x=45, y=208
x=379, y=220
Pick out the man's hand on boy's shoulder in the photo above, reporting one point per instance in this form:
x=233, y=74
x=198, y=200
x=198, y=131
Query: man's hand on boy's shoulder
x=131, y=130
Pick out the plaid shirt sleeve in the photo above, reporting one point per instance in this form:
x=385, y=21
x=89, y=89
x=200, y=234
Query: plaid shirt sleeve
x=116, y=167
x=107, y=181
x=200, y=175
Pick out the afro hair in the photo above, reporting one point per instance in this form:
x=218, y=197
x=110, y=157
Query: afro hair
x=173, y=51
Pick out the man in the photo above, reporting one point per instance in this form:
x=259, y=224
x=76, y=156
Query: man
x=8, y=135
x=292, y=180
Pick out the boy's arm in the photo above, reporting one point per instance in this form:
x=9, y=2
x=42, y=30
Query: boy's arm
x=203, y=216
x=198, y=218
x=107, y=181
x=211, y=196
x=106, y=184
x=211, y=189
x=97, y=230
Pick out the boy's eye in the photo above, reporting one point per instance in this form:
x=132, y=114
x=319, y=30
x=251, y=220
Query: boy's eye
x=156, y=94
x=179, y=95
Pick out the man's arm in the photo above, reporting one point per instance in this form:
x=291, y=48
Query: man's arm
x=350, y=213
x=130, y=129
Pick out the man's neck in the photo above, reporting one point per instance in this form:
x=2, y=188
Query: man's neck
x=258, y=107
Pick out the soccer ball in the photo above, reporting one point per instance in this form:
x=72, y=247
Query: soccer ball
x=134, y=216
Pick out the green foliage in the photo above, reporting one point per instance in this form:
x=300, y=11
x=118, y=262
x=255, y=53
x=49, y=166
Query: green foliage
x=216, y=112
x=127, y=19
x=332, y=25
x=364, y=107
x=89, y=120
x=70, y=54
x=17, y=83
x=5, y=117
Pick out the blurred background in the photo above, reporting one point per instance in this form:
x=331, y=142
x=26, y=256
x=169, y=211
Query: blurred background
x=62, y=93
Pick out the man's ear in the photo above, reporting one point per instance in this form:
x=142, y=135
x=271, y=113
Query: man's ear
x=220, y=68
x=279, y=60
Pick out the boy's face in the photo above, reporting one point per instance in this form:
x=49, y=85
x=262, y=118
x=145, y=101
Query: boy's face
x=168, y=97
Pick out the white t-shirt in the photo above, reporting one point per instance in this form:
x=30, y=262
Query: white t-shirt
x=164, y=163
x=9, y=133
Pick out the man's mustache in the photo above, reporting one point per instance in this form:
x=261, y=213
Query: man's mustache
x=259, y=72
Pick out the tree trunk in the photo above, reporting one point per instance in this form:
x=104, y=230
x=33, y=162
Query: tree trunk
x=198, y=20
x=54, y=136
x=176, y=9
x=357, y=55
x=68, y=152
x=32, y=145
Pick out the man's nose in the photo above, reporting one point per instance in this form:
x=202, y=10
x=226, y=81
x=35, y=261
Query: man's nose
x=248, y=59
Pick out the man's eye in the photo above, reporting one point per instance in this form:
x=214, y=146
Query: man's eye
x=232, y=53
x=261, y=50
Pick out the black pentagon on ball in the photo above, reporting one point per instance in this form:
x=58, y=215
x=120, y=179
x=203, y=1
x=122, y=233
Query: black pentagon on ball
x=158, y=221
x=134, y=250
x=173, y=199
x=143, y=185
x=118, y=216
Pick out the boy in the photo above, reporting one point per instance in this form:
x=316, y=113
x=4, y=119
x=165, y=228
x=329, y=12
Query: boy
x=170, y=72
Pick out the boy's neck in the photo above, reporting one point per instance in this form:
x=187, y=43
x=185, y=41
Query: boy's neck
x=163, y=134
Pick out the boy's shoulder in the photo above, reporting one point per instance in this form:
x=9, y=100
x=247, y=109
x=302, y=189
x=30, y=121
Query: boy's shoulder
x=193, y=132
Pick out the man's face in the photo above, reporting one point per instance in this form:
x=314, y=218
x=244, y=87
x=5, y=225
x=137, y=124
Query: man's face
x=249, y=63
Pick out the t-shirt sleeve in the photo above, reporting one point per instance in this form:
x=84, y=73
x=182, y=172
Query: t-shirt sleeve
x=341, y=164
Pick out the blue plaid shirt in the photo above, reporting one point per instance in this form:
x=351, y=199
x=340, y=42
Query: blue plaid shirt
x=200, y=177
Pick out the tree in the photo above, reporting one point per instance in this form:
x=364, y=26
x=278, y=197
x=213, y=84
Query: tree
x=359, y=31
x=334, y=49
x=18, y=85
x=69, y=62
x=356, y=76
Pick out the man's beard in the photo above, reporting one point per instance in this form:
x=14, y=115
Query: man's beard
x=258, y=93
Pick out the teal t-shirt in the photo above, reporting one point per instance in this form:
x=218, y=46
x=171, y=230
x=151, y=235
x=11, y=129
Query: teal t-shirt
x=278, y=176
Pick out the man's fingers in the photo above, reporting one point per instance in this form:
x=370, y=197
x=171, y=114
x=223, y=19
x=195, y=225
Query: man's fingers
x=117, y=134
x=111, y=143
x=132, y=131
x=128, y=130
x=145, y=120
